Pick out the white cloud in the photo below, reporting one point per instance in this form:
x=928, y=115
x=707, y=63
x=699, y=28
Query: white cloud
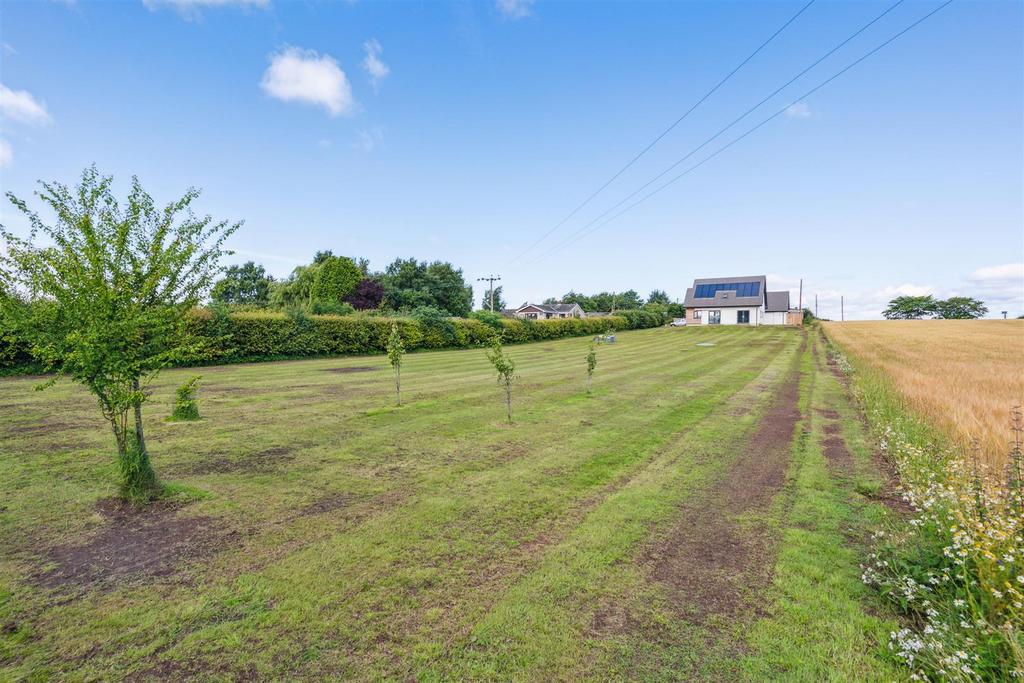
x=1013, y=272
x=514, y=9
x=20, y=105
x=297, y=75
x=6, y=154
x=893, y=291
x=8, y=49
x=369, y=138
x=1000, y=286
x=190, y=8
x=372, y=63
x=798, y=110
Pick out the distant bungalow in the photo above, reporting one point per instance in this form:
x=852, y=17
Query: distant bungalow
x=546, y=311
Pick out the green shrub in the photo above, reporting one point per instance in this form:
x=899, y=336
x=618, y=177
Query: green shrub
x=638, y=319
x=489, y=318
x=186, y=406
x=319, y=307
x=438, y=329
x=222, y=335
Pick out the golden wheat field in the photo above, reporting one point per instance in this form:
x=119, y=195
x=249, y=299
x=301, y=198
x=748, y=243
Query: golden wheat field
x=963, y=375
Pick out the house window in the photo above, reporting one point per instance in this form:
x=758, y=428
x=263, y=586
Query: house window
x=714, y=317
x=696, y=315
x=743, y=317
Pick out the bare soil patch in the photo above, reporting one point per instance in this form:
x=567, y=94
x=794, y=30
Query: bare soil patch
x=344, y=371
x=837, y=454
x=267, y=460
x=328, y=503
x=48, y=426
x=134, y=543
x=890, y=494
x=710, y=564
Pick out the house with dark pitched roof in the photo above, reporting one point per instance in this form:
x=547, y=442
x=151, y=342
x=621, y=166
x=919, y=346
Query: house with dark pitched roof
x=547, y=311
x=738, y=301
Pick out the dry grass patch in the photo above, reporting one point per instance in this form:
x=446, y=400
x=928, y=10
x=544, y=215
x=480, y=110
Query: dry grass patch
x=962, y=375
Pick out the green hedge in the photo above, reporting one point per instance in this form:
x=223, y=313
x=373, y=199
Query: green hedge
x=251, y=336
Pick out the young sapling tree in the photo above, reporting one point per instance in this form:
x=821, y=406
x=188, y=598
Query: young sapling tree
x=506, y=369
x=396, y=349
x=591, y=365
x=104, y=297
x=186, y=405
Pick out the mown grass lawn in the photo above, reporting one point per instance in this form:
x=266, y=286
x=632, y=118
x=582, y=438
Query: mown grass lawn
x=318, y=531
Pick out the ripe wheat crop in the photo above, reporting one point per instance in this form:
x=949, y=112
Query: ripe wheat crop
x=962, y=375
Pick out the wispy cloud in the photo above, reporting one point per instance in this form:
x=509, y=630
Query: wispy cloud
x=798, y=110
x=368, y=139
x=8, y=49
x=373, y=65
x=1006, y=272
x=21, y=106
x=1001, y=286
x=514, y=9
x=191, y=9
x=6, y=154
x=297, y=75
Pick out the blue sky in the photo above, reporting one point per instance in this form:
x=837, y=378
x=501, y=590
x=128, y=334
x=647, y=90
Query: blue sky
x=465, y=131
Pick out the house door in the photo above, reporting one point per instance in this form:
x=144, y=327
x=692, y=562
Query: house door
x=714, y=317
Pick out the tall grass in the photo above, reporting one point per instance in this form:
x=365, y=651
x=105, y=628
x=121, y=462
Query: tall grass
x=956, y=567
x=961, y=375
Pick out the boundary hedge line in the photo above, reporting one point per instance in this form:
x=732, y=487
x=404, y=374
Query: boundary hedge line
x=256, y=336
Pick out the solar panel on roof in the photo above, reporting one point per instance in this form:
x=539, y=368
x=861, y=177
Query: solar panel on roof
x=708, y=291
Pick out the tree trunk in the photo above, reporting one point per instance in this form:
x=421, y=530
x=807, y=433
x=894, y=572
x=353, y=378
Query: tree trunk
x=508, y=402
x=140, y=437
x=138, y=480
x=119, y=436
x=398, y=385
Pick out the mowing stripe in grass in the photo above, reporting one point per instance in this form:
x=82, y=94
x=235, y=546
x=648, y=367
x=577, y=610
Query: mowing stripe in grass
x=540, y=628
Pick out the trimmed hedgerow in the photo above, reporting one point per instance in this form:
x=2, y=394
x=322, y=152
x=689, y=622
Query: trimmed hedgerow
x=263, y=335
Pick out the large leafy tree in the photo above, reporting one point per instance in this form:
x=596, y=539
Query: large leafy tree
x=245, y=284
x=960, y=307
x=911, y=307
x=658, y=296
x=294, y=290
x=604, y=301
x=336, y=277
x=410, y=284
x=368, y=295
x=499, y=300
x=101, y=294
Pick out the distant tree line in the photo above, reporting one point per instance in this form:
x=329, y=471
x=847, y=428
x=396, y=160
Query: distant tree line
x=658, y=301
x=341, y=285
x=927, y=306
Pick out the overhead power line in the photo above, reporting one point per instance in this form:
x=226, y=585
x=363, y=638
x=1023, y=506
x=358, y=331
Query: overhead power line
x=583, y=229
x=755, y=128
x=665, y=132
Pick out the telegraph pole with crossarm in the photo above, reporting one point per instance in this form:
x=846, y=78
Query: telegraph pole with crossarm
x=490, y=280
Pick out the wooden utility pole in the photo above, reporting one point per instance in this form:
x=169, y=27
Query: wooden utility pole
x=801, y=306
x=842, y=311
x=815, y=305
x=490, y=280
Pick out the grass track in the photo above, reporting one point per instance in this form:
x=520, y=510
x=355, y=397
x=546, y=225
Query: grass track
x=430, y=541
